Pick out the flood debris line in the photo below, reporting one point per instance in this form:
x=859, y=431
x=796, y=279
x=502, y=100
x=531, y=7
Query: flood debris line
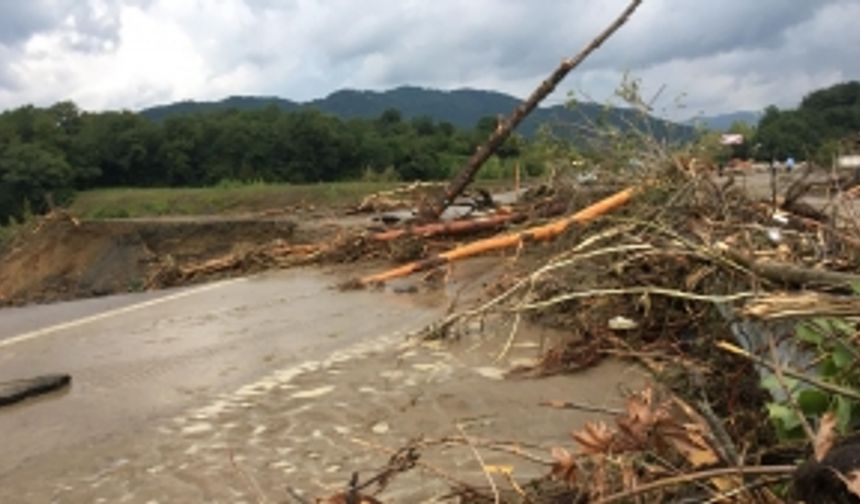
x=751, y=342
x=540, y=233
x=745, y=315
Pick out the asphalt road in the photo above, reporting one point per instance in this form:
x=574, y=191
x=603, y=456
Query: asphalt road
x=138, y=358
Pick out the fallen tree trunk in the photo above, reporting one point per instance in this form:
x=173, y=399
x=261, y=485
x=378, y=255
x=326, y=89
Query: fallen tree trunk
x=540, y=233
x=433, y=207
x=18, y=390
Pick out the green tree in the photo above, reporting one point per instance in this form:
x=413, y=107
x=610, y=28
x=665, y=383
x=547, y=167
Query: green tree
x=31, y=176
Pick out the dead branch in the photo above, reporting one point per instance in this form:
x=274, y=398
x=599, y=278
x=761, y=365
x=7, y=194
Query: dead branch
x=697, y=476
x=433, y=207
x=795, y=275
x=572, y=405
x=830, y=387
x=802, y=304
x=658, y=291
x=480, y=460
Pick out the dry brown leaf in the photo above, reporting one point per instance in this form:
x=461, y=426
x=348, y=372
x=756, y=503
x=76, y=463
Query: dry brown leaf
x=826, y=436
x=595, y=438
x=564, y=469
x=852, y=481
x=691, y=443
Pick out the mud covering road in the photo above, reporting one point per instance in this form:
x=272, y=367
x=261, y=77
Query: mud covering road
x=234, y=390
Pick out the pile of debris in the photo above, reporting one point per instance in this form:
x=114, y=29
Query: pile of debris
x=745, y=313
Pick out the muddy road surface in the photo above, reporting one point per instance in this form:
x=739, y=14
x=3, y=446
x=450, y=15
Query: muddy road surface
x=233, y=391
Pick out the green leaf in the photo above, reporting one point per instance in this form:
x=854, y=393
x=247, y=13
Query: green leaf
x=809, y=334
x=842, y=326
x=842, y=357
x=828, y=367
x=772, y=385
x=844, y=413
x=785, y=418
x=856, y=288
x=813, y=401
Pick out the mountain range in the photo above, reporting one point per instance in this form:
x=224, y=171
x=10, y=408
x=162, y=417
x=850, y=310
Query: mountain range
x=723, y=122
x=462, y=108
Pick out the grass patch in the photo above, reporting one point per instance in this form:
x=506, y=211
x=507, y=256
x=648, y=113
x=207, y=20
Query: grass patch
x=221, y=199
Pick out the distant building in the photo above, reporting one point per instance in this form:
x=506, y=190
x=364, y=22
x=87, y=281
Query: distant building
x=731, y=139
x=849, y=153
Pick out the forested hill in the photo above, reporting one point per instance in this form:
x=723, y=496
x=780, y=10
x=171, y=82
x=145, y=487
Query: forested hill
x=463, y=108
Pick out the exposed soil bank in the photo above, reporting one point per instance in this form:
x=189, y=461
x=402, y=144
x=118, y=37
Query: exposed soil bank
x=62, y=259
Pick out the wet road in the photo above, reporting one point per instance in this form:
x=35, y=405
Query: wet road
x=232, y=391
x=137, y=358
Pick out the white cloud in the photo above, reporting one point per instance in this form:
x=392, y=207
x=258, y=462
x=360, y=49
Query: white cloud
x=729, y=55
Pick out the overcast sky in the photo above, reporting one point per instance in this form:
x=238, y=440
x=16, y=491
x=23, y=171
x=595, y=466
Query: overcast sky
x=713, y=57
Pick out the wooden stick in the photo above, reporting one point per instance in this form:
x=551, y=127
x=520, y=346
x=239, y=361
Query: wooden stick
x=545, y=232
x=433, y=207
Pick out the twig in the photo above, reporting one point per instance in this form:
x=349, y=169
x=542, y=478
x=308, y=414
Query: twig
x=722, y=438
x=726, y=496
x=659, y=291
x=249, y=481
x=572, y=405
x=780, y=378
x=697, y=476
x=296, y=496
x=532, y=278
x=389, y=451
x=836, y=389
x=507, y=447
x=480, y=459
x=516, y=486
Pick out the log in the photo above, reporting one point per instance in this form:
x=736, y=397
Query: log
x=16, y=391
x=452, y=228
x=791, y=274
x=433, y=207
x=539, y=233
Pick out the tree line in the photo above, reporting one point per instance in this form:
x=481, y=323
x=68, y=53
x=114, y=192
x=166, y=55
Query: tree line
x=814, y=129
x=48, y=153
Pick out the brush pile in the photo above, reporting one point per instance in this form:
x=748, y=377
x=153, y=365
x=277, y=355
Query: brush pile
x=744, y=312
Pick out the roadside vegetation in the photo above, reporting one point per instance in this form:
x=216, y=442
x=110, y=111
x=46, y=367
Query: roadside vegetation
x=226, y=197
x=47, y=154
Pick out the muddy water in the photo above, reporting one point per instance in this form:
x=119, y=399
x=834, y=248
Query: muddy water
x=235, y=392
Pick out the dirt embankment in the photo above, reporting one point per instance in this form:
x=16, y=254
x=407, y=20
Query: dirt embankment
x=63, y=259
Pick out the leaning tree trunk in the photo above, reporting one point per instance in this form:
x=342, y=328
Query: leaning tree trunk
x=434, y=206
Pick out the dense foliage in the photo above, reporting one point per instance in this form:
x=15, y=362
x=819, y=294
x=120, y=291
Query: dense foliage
x=814, y=129
x=47, y=153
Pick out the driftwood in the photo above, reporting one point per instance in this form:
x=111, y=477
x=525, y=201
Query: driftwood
x=792, y=274
x=16, y=391
x=433, y=207
x=452, y=228
x=801, y=304
x=540, y=233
